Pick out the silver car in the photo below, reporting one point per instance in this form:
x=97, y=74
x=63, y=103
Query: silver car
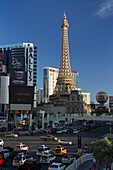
x=64, y=142
x=67, y=159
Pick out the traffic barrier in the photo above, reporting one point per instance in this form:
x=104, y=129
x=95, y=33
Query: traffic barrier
x=79, y=161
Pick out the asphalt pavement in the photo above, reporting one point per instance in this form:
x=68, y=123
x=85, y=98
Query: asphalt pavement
x=33, y=142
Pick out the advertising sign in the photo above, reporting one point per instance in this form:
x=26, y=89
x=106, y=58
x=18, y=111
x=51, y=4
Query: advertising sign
x=1, y=63
x=30, y=66
x=21, y=94
x=18, y=78
x=17, y=63
x=111, y=101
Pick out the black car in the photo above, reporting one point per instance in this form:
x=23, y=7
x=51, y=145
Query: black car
x=30, y=164
x=16, y=152
x=9, y=148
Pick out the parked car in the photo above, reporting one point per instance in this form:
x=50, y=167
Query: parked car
x=64, y=142
x=60, y=150
x=1, y=142
x=67, y=159
x=48, y=137
x=11, y=135
x=56, y=166
x=47, y=158
x=30, y=164
x=43, y=150
x=21, y=146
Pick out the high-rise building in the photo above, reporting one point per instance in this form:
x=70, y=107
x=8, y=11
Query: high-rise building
x=50, y=76
x=18, y=74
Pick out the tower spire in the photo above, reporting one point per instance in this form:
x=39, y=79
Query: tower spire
x=65, y=82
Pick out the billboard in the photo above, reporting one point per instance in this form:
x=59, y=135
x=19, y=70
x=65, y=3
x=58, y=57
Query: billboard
x=18, y=78
x=17, y=63
x=111, y=101
x=21, y=94
x=30, y=66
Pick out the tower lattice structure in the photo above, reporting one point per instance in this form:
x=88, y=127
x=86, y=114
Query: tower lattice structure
x=65, y=82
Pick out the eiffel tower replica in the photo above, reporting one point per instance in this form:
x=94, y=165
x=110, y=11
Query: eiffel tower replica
x=65, y=83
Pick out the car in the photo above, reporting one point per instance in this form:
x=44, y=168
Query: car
x=67, y=159
x=3, y=160
x=81, y=153
x=1, y=142
x=48, y=137
x=64, y=142
x=56, y=166
x=60, y=150
x=16, y=152
x=9, y=148
x=47, y=158
x=21, y=146
x=42, y=150
x=5, y=153
x=30, y=164
x=11, y=135
x=19, y=160
x=69, y=130
x=75, y=131
x=59, y=131
x=22, y=133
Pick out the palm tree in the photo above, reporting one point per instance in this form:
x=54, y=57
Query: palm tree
x=103, y=152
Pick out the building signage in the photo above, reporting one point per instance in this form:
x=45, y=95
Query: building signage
x=17, y=63
x=30, y=66
x=111, y=101
x=21, y=94
x=18, y=78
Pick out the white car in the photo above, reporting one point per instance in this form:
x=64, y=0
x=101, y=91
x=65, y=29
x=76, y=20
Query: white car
x=18, y=160
x=59, y=131
x=1, y=142
x=76, y=131
x=64, y=142
x=47, y=158
x=21, y=146
x=57, y=166
x=43, y=150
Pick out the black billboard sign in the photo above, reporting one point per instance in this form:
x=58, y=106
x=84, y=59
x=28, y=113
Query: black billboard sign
x=17, y=63
x=21, y=94
x=18, y=78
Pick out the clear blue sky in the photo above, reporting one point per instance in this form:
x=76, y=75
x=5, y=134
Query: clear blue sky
x=90, y=36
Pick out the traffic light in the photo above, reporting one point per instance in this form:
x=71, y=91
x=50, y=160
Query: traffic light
x=79, y=142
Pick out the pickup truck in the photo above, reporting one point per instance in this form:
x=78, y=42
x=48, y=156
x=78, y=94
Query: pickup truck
x=48, y=137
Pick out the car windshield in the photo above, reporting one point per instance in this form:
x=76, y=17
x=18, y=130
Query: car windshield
x=18, y=159
x=58, y=149
x=40, y=149
x=53, y=166
x=29, y=163
x=17, y=146
x=45, y=157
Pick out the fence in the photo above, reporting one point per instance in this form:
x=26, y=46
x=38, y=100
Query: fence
x=77, y=162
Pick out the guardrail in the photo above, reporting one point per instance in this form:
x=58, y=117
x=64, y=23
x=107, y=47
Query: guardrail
x=77, y=162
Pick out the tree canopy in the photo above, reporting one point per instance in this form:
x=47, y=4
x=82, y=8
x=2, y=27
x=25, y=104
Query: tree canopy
x=103, y=152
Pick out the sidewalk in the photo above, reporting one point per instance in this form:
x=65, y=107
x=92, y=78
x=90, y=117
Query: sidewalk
x=86, y=165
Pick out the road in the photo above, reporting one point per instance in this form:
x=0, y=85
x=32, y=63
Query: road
x=34, y=142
